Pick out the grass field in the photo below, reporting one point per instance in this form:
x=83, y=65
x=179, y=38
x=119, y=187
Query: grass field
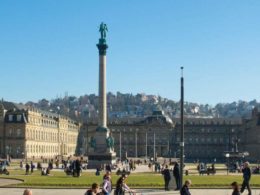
x=136, y=180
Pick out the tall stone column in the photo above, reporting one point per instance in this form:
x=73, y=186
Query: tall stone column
x=102, y=144
x=102, y=119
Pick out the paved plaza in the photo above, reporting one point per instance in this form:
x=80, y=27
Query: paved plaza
x=19, y=191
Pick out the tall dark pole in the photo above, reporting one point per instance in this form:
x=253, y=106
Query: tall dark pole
x=182, y=129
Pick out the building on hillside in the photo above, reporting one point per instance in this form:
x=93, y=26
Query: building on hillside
x=30, y=132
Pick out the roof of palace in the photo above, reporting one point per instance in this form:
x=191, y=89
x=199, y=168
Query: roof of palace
x=15, y=108
x=209, y=121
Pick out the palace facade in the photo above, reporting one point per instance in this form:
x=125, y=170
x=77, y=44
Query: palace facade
x=250, y=137
x=29, y=132
x=159, y=136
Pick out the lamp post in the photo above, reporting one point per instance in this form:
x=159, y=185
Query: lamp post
x=227, y=156
x=136, y=152
x=154, y=151
x=87, y=144
x=230, y=148
x=7, y=148
x=120, y=145
x=182, y=129
x=146, y=145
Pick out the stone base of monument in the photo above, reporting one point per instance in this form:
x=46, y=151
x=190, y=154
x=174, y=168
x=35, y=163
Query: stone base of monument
x=96, y=160
x=101, y=154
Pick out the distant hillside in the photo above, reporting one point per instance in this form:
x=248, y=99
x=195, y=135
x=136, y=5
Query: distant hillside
x=129, y=105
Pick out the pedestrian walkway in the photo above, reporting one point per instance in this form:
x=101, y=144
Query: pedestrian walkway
x=6, y=182
x=19, y=191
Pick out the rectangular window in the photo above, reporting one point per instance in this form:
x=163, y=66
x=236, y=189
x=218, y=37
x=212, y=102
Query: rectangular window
x=19, y=132
x=19, y=117
x=10, y=117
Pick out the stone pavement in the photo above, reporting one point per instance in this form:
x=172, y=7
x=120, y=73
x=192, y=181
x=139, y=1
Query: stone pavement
x=19, y=191
x=6, y=182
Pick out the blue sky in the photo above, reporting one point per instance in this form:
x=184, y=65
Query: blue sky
x=48, y=48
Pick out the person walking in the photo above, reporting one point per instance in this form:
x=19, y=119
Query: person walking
x=167, y=177
x=176, y=174
x=27, y=168
x=246, y=178
x=107, y=184
x=32, y=167
x=77, y=167
x=185, y=189
x=235, y=188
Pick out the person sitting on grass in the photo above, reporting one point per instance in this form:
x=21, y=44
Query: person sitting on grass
x=48, y=171
x=235, y=188
x=43, y=173
x=27, y=192
x=94, y=190
x=185, y=189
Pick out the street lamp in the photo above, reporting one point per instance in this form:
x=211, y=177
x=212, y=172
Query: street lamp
x=154, y=147
x=7, y=151
x=227, y=156
x=136, y=151
x=182, y=129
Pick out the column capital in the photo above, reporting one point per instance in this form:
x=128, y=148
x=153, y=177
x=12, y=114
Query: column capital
x=102, y=47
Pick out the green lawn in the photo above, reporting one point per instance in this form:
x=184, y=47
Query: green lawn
x=136, y=180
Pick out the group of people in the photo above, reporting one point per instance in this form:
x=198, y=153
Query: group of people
x=74, y=168
x=176, y=173
x=28, y=167
x=167, y=176
x=106, y=188
x=185, y=188
x=3, y=167
x=121, y=187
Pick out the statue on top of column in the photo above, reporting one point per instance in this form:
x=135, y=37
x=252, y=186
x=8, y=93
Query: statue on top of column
x=103, y=30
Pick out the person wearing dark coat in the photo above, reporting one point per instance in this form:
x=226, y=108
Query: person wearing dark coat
x=108, y=168
x=121, y=186
x=185, y=189
x=32, y=167
x=235, y=188
x=176, y=174
x=246, y=178
x=167, y=177
x=27, y=168
x=77, y=167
